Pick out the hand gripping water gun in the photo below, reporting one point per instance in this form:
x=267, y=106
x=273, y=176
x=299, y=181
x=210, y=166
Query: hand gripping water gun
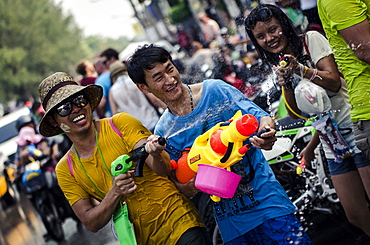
x=122, y=224
x=122, y=164
x=301, y=167
x=218, y=149
x=284, y=61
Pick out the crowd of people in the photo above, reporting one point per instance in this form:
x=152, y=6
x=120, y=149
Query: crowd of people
x=119, y=107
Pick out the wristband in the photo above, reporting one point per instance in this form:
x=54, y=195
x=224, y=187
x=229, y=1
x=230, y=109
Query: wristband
x=305, y=71
x=313, y=75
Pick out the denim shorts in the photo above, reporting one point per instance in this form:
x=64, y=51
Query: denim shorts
x=281, y=230
x=348, y=164
x=362, y=136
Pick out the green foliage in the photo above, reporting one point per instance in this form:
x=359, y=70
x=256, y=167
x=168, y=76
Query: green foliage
x=179, y=12
x=36, y=40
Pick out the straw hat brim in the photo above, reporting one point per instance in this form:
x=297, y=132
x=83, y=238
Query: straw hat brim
x=93, y=93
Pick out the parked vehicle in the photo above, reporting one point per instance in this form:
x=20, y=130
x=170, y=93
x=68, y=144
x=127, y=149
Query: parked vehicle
x=8, y=148
x=309, y=187
x=41, y=187
x=8, y=194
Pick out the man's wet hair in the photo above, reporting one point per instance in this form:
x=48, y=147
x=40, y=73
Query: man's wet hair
x=145, y=58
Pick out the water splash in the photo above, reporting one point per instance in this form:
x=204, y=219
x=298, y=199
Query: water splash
x=181, y=130
x=217, y=110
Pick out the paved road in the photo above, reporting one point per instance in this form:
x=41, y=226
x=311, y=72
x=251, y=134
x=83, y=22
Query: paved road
x=20, y=225
x=325, y=229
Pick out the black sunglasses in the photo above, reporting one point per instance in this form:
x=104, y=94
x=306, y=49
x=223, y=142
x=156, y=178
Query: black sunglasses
x=66, y=108
x=263, y=14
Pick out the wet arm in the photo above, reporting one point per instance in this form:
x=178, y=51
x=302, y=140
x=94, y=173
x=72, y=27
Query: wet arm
x=158, y=160
x=188, y=189
x=327, y=75
x=360, y=44
x=159, y=104
x=95, y=217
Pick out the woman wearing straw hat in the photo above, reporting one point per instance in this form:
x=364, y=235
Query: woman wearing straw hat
x=159, y=213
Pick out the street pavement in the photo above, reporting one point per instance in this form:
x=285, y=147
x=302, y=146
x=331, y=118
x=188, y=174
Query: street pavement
x=20, y=225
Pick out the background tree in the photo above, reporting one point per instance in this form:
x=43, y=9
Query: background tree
x=35, y=40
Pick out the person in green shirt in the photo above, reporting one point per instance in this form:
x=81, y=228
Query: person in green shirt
x=343, y=21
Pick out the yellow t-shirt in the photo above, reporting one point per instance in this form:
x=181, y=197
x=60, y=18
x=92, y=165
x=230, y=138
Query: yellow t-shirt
x=159, y=212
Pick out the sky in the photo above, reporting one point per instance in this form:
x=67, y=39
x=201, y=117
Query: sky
x=108, y=18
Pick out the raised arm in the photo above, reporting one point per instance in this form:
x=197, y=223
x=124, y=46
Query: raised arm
x=158, y=160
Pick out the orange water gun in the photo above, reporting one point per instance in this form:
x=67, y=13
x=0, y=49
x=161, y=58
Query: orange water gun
x=183, y=172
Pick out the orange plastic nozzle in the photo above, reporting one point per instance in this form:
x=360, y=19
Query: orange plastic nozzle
x=242, y=150
x=246, y=125
x=173, y=164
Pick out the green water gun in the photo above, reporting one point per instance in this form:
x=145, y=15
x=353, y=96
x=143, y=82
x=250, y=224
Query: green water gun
x=139, y=156
x=122, y=224
x=122, y=164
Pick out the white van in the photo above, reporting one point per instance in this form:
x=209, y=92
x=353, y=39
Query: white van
x=8, y=134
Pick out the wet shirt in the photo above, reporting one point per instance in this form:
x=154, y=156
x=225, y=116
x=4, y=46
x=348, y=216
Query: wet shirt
x=159, y=212
x=338, y=15
x=259, y=196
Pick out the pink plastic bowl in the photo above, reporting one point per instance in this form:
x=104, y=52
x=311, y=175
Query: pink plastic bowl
x=216, y=181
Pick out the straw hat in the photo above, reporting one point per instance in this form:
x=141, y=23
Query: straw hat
x=59, y=87
x=28, y=134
